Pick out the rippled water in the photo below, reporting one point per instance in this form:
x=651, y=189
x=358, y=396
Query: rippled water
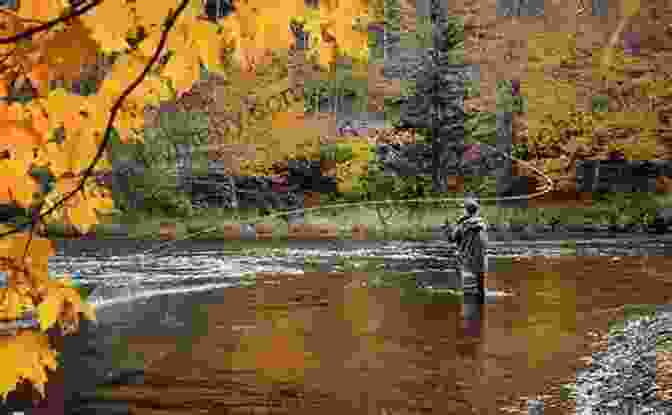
x=123, y=272
x=346, y=348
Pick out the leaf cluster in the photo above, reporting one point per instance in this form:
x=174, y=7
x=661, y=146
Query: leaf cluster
x=159, y=144
x=506, y=100
x=640, y=207
x=339, y=152
x=341, y=82
x=376, y=184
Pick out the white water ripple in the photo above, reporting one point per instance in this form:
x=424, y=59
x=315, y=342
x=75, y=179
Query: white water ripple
x=124, y=278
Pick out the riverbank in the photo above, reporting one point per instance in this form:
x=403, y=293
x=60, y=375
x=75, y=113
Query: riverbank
x=366, y=223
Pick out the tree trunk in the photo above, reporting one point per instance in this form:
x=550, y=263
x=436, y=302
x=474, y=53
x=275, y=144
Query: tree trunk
x=438, y=177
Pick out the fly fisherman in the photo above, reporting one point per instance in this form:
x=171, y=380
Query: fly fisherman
x=471, y=238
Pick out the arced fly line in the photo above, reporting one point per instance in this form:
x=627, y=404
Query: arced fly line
x=547, y=188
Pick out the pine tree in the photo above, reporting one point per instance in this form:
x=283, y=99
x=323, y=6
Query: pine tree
x=437, y=104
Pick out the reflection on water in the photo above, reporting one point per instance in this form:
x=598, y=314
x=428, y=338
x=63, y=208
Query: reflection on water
x=320, y=342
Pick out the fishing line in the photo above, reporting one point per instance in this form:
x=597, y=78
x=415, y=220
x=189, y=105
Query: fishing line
x=547, y=188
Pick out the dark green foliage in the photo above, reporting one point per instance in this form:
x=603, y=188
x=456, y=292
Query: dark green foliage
x=486, y=186
x=439, y=84
x=481, y=126
x=376, y=185
x=343, y=153
x=600, y=103
x=87, y=87
x=342, y=84
x=392, y=16
x=640, y=207
x=520, y=151
x=161, y=198
x=155, y=187
x=507, y=100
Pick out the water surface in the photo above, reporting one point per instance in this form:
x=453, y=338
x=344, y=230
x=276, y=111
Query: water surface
x=299, y=341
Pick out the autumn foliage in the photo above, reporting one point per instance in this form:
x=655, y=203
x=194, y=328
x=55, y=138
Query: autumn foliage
x=158, y=49
x=560, y=127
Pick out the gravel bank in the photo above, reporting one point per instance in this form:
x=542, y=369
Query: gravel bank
x=623, y=380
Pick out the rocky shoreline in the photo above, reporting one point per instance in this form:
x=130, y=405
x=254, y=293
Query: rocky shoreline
x=622, y=380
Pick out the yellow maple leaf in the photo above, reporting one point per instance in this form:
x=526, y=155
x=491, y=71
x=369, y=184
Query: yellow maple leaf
x=208, y=44
x=16, y=185
x=255, y=29
x=97, y=114
x=152, y=14
x=63, y=303
x=111, y=37
x=13, y=304
x=57, y=158
x=49, y=310
x=183, y=70
x=58, y=107
x=80, y=148
x=26, y=356
x=125, y=72
x=44, y=10
x=79, y=211
x=83, y=216
x=149, y=44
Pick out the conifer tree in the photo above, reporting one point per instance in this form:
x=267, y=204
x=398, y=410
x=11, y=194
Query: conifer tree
x=437, y=102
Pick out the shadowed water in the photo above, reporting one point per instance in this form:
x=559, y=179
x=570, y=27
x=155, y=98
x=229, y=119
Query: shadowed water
x=320, y=341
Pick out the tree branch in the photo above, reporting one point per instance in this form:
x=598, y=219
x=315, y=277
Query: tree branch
x=170, y=22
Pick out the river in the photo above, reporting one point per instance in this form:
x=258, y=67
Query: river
x=323, y=341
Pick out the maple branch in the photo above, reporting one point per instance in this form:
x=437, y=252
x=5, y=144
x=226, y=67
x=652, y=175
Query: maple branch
x=169, y=23
x=48, y=25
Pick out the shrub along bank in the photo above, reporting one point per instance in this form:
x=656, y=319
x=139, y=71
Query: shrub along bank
x=623, y=213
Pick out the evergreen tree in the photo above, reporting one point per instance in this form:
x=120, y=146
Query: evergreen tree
x=437, y=104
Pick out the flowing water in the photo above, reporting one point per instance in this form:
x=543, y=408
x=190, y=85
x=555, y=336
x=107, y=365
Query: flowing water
x=316, y=340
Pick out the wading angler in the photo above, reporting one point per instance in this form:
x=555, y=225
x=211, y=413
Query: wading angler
x=471, y=237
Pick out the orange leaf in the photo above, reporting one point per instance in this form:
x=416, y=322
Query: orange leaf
x=14, y=134
x=15, y=183
x=40, y=121
x=39, y=76
x=4, y=89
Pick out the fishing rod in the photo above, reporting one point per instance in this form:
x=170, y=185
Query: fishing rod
x=546, y=189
